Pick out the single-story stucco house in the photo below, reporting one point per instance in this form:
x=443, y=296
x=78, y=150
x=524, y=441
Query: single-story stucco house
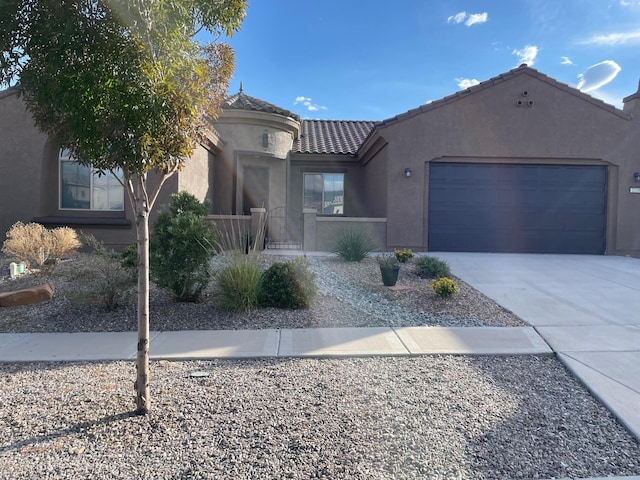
x=518, y=163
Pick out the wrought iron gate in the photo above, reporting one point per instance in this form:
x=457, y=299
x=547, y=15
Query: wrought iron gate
x=280, y=232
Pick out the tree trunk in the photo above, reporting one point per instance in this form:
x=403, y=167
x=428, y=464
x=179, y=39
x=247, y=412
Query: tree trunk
x=143, y=400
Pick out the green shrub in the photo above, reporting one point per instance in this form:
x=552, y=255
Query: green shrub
x=386, y=260
x=305, y=276
x=184, y=203
x=103, y=277
x=403, y=254
x=129, y=256
x=444, y=286
x=353, y=245
x=181, y=248
x=238, y=284
x=36, y=245
x=432, y=267
x=280, y=288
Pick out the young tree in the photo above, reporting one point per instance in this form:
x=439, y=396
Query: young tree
x=125, y=86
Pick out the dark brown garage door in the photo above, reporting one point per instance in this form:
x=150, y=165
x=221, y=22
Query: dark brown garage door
x=517, y=208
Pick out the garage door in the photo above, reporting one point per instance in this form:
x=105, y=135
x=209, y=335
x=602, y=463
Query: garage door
x=517, y=208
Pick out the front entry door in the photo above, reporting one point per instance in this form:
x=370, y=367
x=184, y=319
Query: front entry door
x=255, y=189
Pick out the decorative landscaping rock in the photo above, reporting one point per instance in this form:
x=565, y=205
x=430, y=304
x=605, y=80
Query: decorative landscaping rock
x=27, y=296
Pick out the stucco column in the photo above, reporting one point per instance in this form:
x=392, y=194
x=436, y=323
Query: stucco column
x=258, y=226
x=309, y=232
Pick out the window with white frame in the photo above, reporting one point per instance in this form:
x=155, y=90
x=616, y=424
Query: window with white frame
x=81, y=188
x=324, y=192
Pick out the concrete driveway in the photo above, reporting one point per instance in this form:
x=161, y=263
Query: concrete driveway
x=587, y=308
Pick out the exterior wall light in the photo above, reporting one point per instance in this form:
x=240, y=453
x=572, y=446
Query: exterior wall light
x=636, y=177
x=407, y=172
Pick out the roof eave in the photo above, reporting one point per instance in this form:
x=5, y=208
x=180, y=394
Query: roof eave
x=522, y=69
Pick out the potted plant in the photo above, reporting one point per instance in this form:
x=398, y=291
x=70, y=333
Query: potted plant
x=389, y=269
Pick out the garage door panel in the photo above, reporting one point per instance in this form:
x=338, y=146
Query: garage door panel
x=517, y=208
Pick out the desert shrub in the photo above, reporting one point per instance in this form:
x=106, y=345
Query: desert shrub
x=403, y=254
x=64, y=242
x=280, y=288
x=386, y=260
x=181, y=248
x=444, y=286
x=129, y=256
x=305, y=276
x=234, y=237
x=36, y=245
x=432, y=267
x=185, y=203
x=353, y=245
x=238, y=284
x=102, y=277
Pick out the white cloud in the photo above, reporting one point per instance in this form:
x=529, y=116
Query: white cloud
x=527, y=55
x=466, y=82
x=629, y=3
x=619, y=38
x=598, y=75
x=606, y=97
x=566, y=61
x=468, y=19
x=477, y=18
x=306, y=101
x=457, y=18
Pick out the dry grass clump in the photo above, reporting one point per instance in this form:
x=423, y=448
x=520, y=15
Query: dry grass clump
x=35, y=245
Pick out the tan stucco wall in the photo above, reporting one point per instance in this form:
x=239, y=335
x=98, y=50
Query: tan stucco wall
x=487, y=126
x=29, y=183
x=376, y=174
x=196, y=176
x=329, y=229
x=21, y=150
x=243, y=147
x=355, y=199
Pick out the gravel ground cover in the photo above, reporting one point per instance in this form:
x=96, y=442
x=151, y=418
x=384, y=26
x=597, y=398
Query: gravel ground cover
x=440, y=417
x=349, y=295
x=436, y=417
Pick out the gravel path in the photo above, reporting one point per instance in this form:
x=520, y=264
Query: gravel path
x=436, y=417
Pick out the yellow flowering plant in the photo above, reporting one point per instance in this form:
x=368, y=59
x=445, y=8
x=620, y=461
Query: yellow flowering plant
x=445, y=287
x=403, y=254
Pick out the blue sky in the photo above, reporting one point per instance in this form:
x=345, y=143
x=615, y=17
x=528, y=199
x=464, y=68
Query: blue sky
x=371, y=60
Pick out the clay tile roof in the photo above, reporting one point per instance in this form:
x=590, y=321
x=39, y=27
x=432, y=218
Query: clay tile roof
x=242, y=101
x=332, y=136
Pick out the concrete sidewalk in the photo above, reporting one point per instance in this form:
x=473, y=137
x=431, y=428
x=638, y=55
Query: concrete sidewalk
x=585, y=307
x=326, y=342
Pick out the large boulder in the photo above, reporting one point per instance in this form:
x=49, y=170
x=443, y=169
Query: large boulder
x=27, y=296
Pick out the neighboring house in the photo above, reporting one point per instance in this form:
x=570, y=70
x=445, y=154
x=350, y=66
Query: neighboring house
x=518, y=163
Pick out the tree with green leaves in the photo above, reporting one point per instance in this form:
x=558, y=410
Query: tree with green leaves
x=125, y=86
